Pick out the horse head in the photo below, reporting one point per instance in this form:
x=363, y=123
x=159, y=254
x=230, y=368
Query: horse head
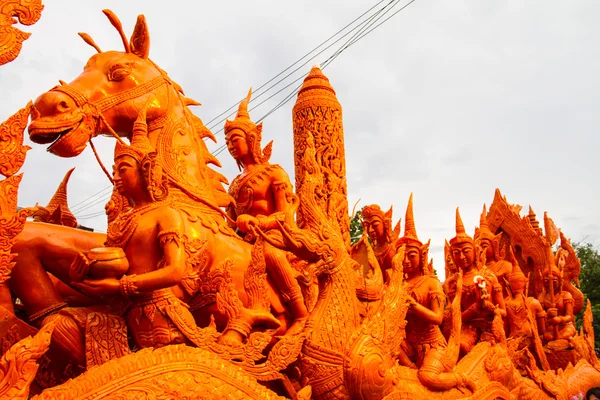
x=105, y=98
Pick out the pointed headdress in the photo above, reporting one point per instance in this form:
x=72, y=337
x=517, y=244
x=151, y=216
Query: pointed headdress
x=461, y=233
x=410, y=231
x=252, y=131
x=140, y=146
x=484, y=232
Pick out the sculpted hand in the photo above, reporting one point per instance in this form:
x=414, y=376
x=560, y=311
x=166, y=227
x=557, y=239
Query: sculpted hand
x=488, y=305
x=79, y=268
x=101, y=287
x=552, y=312
x=411, y=302
x=244, y=222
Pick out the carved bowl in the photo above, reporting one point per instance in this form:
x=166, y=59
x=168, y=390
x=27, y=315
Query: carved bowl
x=108, y=262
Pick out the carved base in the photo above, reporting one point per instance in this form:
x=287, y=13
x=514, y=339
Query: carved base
x=561, y=358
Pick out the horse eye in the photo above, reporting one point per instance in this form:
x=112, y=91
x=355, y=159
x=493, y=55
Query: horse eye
x=118, y=72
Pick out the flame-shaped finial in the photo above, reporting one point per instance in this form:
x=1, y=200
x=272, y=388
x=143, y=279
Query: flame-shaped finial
x=140, y=144
x=461, y=233
x=243, y=108
x=484, y=232
x=410, y=231
x=57, y=210
x=532, y=219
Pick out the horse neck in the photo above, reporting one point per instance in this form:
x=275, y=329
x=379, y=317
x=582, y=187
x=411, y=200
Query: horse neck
x=336, y=312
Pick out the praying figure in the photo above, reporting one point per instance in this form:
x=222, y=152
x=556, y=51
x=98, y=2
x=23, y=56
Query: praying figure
x=558, y=304
x=425, y=345
x=490, y=247
x=526, y=318
x=481, y=298
x=378, y=226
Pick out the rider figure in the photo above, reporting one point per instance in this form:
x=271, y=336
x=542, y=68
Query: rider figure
x=261, y=190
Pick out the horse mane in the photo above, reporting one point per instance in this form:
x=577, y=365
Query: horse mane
x=139, y=45
x=205, y=157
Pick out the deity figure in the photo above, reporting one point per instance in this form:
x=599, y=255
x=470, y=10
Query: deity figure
x=378, y=226
x=425, y=345
x=490, y=247
x=558, y=304
x=150, y=234
x=260, y=191
x=479, y=306
x=525, y=315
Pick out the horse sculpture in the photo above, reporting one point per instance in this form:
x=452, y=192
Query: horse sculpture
x=105, y=99
x=338, y=355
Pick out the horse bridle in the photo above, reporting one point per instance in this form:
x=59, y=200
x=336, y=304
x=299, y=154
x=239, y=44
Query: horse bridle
x=99, y=106
x=96, y=108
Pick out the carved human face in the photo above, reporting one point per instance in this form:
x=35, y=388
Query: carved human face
x=463, y=255
x=237, y=144
x=376, y=230
x=488, y=249
x=554, y=280
x=412, y=259
x=562, y=258
x=517, y=285
x=128, y=177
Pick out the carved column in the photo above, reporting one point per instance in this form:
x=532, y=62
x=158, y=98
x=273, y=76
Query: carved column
x=317, y=115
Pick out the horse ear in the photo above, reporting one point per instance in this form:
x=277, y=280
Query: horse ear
x=140, y=39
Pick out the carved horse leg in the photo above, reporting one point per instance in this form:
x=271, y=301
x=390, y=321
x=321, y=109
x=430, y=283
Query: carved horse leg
x=42, y=249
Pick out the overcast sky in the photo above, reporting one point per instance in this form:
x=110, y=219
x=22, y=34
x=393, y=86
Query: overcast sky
x=447, y=99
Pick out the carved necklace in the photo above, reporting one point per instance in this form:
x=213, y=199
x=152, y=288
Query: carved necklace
x=382, y=251
x=123, y=227
x=416, y=285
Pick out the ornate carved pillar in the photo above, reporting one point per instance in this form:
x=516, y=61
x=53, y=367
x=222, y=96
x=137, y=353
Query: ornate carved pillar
x=317, y=119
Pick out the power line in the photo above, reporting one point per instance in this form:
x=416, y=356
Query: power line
x=97, y=194
x=355, y=38
x=101, y=201
x=364, y=28
x=362, y=24
x=297, y=61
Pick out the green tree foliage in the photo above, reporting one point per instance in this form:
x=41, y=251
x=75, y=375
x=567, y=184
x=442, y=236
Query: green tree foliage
x=356, y=228
x=589, y=279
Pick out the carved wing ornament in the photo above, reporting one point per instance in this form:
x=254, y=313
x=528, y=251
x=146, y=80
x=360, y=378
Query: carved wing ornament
x=26, y=12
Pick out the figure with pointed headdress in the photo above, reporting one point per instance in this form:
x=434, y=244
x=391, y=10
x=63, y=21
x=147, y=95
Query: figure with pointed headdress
x=425, y=345
x=558, y=304
x=525, y=315
x=481, y=298
x=261, y=192
x=490, y=247
x=149, y=233
x=378, y=226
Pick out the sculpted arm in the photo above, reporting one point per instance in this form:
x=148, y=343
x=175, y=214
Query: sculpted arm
x=281, y=187
x=231, y=214
x=539, y=314
x=497, y=297
x=434, y=314
x=568, y=304
x=171, y=272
